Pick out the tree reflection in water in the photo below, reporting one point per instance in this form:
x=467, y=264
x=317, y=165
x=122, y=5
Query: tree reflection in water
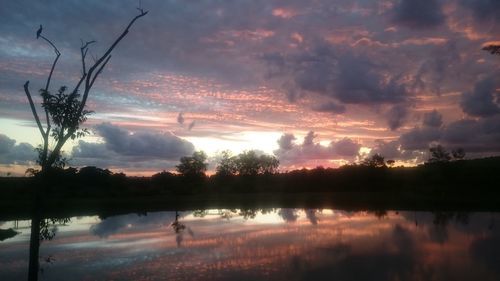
x=179, y=229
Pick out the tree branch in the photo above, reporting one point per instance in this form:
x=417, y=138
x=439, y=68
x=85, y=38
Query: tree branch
x=89, y=81
x=58, y=54
x=83, y=50
x=33, y=109
x=100, y=70
x=47, y=118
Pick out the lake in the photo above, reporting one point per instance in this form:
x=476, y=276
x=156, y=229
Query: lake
x=263, y=244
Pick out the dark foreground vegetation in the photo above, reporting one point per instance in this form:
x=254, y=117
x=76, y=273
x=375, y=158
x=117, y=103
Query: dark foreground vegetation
x=457, y=184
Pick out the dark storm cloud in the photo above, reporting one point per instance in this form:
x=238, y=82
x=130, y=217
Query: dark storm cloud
x=91, y=150
x=331, y=106
x=443, y=62
x=98, y=154
x=419, y=138
x=483, y=100
x=476, y=136
x=396, y=116
x=483, y=10
x=144, y=144
x=346, y=77
x=418, y=14
x=432, y=119
x=15, y=153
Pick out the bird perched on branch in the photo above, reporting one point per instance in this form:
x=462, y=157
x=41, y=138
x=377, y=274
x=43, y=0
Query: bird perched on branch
x=39, y=31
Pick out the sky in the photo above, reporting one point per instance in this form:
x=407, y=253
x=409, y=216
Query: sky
x=312, y=82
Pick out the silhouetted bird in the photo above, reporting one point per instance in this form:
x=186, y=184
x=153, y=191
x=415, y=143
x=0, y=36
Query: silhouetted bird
x=39, y=32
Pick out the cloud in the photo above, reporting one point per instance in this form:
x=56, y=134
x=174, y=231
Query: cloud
x=285, y=142
x=345, y=147
x=16, y=153
x=331, y=106
x=299, y=154
x=396, y=116
x=191, y=125
x=377, y=262
x=116, y=224
x=483, y=10
x=481, y=101
x=418, y=14
x=346, y=77
x=432, y=119
x=393, y=150
x=309, y=139
x=442, y=62
x=419, y=138
x=6, y=144
x=149, y=145
x=180, y=119
x=475, y=136
x=91, y=150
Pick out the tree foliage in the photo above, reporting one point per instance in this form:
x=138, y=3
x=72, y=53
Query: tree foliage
x=458, y=154
x=248, y=163
x=439, y=154
x=227, y=164
x=193, y=166
x=376, y=161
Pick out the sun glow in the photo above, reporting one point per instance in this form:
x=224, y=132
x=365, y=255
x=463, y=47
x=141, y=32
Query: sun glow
x=238, y=142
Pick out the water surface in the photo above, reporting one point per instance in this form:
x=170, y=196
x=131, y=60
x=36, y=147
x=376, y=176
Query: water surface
x=270, y=244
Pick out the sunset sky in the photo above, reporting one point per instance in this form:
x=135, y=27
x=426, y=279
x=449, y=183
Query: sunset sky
x=311, y=82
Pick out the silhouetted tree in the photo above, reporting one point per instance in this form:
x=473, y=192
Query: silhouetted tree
x=458, y=153
x=376, y=161
x=268, y=164
x=248, y=163
x=390, y=162
x=227, y=164
x=94, y=172
x=162, y=177
x=193, y=166
x=439, y=154
x=65, y=111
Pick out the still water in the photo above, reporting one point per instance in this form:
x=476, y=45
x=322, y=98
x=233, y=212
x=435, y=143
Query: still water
x=269, y=244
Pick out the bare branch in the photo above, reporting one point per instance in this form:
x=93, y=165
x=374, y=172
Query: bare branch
x=89, y=81
x=100, y=70
x=52, y=44
x=83, y=50
x=58, y=54
x=33, y=109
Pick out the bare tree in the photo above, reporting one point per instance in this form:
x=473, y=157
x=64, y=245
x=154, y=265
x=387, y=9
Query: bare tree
x=65, y=110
